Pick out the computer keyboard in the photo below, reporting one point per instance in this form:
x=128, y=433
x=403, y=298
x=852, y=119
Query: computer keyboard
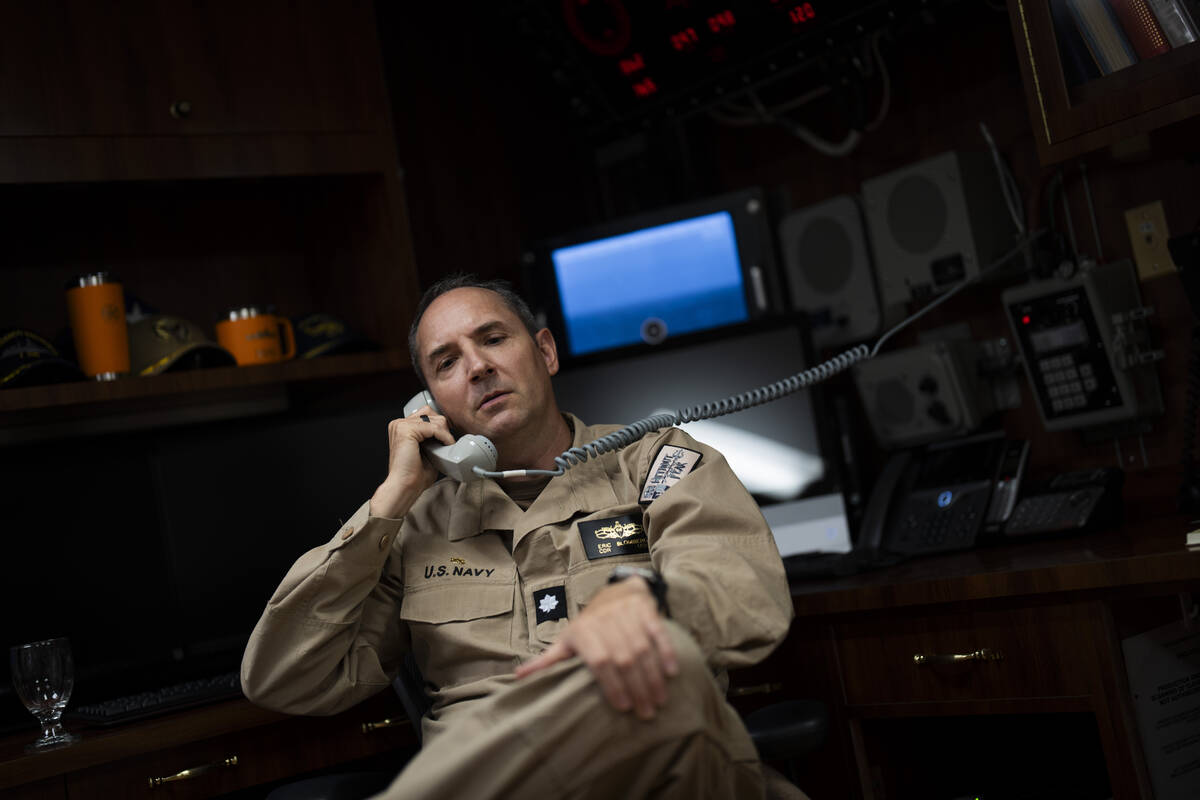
x=159, y=701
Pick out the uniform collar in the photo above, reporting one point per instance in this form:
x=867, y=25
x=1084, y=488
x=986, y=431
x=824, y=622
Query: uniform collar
x=482, y=505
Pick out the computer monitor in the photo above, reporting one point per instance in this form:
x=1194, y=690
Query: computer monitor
x=777, y=450
x=629, y=285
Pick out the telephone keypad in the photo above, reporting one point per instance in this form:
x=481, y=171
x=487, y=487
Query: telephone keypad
x=1055, y=511
x=1067, y=382
x=928, y=528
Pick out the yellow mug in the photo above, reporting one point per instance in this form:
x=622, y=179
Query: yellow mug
x=256, y=336
x=96, y=309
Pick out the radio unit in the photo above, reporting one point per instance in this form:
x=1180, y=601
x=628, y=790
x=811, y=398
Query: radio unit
x=1086, y=347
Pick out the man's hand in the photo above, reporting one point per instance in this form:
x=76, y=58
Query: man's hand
x=621, y=638
x=408, y=473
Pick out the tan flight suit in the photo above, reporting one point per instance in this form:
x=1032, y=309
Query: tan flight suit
x=444, y=583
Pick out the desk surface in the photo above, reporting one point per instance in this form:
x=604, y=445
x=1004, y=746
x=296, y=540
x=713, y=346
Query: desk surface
x=1147, y=552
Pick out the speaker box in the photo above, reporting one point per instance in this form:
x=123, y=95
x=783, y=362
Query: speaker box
x=923, y=393
x=935, y=223
x=828, y=270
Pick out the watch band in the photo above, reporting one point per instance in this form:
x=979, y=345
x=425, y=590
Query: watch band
x=658, y=587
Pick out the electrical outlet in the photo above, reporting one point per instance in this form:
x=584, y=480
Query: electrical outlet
x=1148, y=234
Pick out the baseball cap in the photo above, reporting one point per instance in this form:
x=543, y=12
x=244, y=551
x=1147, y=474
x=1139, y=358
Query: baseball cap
x=161, y=342
x=27, y=359
x=322, y=334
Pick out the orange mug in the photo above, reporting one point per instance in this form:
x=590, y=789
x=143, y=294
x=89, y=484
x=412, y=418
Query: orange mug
x=96, y=309
x=254, y=336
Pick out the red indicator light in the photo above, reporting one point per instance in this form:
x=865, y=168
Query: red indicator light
x=721, y=20
x=802, y=12
x=1025, y=320
x=645, y=87
x=632, y=64
x=685, y=39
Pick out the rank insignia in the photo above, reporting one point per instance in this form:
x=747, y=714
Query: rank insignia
x=551, y=603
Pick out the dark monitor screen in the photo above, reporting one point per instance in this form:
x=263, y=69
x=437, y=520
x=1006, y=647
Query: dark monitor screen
x=156, y=552
x=613, y=291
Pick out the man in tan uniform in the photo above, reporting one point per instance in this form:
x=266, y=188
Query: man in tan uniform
x=553, y=671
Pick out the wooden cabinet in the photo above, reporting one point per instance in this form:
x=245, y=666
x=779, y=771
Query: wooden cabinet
x=209, y=751
x=1070, y=118
x=278, y=184
x=1034, y=673
x=1053, y=716
x=964, y=656
x=178, y=67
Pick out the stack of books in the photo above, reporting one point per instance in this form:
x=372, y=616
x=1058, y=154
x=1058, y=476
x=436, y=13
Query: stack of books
x=1099, y=37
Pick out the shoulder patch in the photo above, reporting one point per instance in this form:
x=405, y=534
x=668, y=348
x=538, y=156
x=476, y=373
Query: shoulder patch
x=669, y=467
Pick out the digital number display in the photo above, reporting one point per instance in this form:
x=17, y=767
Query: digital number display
x=635, y=51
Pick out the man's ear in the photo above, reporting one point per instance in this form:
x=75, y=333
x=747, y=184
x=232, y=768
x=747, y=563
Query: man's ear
x=544, y=340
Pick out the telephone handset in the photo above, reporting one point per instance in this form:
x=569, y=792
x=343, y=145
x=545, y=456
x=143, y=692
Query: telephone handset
x=458, y=460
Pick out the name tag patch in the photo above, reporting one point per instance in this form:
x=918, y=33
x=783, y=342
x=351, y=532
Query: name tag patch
x=551, y=603
x=615, y=536
x=669, y=467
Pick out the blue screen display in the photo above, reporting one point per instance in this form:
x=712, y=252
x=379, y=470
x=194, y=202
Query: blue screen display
x=685, y=274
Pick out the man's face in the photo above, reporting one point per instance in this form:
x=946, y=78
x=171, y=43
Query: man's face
x=488, y=375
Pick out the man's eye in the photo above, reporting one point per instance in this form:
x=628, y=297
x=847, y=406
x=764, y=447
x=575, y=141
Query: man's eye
x=444, y=363
x=495, y=339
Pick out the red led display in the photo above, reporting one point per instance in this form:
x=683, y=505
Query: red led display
x=801, y=13
x=632, y=64
x=721, y=21
x=1025, y=319
x=645, y=87
x=685, y=39
x=652, y=54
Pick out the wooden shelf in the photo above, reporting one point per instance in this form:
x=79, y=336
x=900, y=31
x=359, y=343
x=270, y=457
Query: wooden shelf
x=136, y=403
x=176, y=384
x=1159, y=67
x=1071, y=120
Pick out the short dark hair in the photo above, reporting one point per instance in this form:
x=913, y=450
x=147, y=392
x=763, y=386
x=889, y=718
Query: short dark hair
x=466, y=280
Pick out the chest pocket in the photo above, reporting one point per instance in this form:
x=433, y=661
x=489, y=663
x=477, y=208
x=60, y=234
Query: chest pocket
x=461, y=632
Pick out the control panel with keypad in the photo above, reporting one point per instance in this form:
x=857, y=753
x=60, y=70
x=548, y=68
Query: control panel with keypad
x=1083, y=347
x=1071, y=373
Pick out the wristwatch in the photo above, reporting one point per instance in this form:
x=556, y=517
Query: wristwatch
x=658, y=587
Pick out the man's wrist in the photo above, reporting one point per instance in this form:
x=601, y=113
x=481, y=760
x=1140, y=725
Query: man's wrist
x=655, y=582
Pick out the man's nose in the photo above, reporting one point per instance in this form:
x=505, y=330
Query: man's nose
x=478, y=365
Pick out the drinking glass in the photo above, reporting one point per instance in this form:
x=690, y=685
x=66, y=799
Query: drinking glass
x=43, y=675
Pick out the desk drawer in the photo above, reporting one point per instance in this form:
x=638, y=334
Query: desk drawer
x=1038, y=652
x=238, y=760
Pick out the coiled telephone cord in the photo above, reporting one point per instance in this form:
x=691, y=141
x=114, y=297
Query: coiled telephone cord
x=755, y=397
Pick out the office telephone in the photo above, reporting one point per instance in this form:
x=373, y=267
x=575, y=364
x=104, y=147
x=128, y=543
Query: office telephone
x=1074, y=502
x=944, y=496
x=458, y=460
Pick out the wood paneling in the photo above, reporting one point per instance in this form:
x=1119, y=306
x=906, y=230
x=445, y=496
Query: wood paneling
x=76, y=68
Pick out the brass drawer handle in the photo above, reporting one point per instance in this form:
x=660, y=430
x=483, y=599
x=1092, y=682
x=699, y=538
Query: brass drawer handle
x=367, y=727
x=192, y=772
x=983, y=654
x=181, y=109
x=762, y=688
